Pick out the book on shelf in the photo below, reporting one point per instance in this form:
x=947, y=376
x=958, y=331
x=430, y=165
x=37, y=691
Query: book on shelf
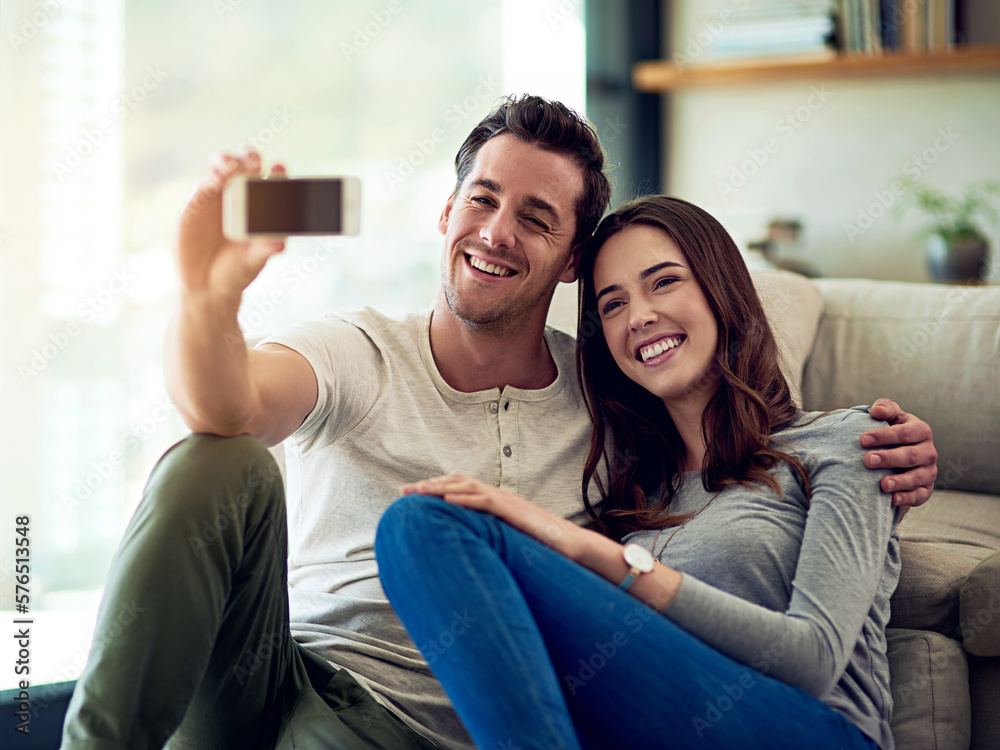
x=772, y=29
x=914, y=26
x=817, y=30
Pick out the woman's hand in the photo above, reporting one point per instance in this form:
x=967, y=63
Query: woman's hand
x=557, y=532
x=588, y=548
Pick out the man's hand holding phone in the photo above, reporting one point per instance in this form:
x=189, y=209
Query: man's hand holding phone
x=208, y=261
x=237, y=220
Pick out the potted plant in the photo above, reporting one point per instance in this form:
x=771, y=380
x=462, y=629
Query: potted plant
x=957, y=248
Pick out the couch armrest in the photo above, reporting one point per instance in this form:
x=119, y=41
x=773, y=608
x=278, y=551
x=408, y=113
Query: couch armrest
x=979, y=608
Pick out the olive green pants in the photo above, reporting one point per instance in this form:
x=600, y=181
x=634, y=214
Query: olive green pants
x=192, y=647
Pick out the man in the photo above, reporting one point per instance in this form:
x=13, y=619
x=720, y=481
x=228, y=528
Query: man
x=367, y=404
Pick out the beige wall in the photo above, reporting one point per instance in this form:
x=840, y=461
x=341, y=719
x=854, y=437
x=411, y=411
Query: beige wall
x=828, y=152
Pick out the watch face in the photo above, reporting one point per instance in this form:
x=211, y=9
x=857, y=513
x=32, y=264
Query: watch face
x=638, y=557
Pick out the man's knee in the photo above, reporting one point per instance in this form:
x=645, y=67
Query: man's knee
x=214, y=451
x=208, y=471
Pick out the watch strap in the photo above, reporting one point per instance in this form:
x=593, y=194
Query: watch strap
x=626, y=584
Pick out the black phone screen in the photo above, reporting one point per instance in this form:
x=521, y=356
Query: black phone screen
x=294, y=206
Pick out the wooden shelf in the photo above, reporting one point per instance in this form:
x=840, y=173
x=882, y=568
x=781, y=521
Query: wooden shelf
x=660, y=75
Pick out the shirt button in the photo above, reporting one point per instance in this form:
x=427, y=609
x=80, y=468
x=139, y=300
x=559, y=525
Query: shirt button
x=507, y=451
x=494, y=407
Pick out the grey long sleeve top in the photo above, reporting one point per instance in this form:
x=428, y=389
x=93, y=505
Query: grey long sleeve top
x=799, y=592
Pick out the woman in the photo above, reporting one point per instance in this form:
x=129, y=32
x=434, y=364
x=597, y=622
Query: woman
x=746, y=602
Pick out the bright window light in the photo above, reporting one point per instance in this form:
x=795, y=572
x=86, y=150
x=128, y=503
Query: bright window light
x=110, y=112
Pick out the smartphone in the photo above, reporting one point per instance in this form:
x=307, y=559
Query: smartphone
x=278, y=207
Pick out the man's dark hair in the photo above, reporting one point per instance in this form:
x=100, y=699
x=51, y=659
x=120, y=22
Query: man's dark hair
x=554, y=127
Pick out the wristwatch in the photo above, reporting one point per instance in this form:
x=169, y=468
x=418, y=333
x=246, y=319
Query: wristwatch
x=640, y=560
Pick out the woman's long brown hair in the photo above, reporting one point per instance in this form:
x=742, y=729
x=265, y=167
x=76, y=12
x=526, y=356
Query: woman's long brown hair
x=634, y=435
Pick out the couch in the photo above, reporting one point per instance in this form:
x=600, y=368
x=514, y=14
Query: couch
x=934, y=349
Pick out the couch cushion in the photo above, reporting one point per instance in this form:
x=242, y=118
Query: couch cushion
x=969, y=522
x=930, y=580
x=929, y=678
x=793, y=306
x=933, y=348
x=979, y=612
x=942, y=542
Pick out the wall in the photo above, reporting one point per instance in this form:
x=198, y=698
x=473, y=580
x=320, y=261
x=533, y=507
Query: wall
x=828, y=152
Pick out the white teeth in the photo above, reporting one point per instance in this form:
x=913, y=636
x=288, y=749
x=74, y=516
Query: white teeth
x=659, y=347
x=488, y=267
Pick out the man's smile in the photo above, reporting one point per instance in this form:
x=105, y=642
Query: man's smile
x=490, y=267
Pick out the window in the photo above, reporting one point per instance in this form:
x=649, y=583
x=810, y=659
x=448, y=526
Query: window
x=110, y=110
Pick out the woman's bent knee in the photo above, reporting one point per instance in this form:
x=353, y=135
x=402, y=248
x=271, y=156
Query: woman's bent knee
x=407, y=518
x=406, y=511
x=418, y=519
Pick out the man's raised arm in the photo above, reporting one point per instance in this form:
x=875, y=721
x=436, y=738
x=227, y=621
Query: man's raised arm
x=218, y=385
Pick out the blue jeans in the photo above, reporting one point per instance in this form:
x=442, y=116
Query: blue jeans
x=536, y=651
